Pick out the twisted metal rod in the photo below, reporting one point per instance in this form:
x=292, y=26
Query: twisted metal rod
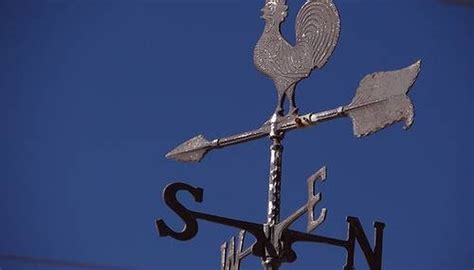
x=272, y=260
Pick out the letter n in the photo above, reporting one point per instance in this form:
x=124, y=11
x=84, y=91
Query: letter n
x=356, y=233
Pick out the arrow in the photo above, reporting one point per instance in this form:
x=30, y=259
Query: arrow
x=380, y=101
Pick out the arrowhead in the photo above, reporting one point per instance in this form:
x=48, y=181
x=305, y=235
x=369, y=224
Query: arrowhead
x=192, y=150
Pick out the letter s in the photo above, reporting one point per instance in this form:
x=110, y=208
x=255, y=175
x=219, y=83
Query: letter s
x=191, y=226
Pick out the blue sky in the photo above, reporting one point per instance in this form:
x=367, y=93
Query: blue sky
x=94, y=93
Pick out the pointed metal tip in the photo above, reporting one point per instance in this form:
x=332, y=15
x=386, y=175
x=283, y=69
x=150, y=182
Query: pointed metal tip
x=169, y=155
x=417, y=65
x=193, y=150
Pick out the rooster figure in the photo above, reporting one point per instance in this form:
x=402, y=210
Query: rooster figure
x=317, y=32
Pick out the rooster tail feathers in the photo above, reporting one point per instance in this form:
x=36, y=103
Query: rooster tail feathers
x=317, y=29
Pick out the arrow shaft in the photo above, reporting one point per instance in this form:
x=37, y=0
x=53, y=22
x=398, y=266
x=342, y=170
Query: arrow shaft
x=195, y=148
x=312, y=119
x=242, y=137
x=285, y=125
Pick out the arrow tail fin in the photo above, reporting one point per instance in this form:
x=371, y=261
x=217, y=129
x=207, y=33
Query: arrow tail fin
x=381, y=100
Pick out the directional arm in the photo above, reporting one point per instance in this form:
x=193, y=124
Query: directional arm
x=196, y=148
x=380, y=101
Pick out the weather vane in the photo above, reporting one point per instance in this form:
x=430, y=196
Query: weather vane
x=380, y=100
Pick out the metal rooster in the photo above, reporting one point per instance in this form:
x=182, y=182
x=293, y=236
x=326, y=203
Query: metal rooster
x=317, y=32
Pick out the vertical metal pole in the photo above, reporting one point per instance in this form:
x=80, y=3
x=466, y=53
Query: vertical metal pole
x=271, y=260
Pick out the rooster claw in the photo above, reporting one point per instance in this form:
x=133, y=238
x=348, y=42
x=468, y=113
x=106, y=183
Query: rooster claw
x=294, y=111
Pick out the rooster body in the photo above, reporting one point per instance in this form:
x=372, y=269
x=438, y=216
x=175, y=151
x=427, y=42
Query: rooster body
x=317, y=31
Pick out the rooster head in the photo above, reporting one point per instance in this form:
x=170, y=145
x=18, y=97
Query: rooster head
x=275, y=11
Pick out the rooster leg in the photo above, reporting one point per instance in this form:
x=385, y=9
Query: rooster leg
x=279, y=106
x=290, y=94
